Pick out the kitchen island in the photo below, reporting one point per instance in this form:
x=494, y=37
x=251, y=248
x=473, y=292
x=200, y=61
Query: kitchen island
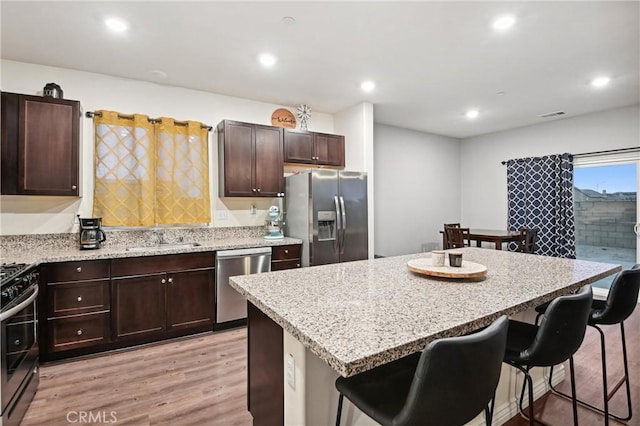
x=346, y=318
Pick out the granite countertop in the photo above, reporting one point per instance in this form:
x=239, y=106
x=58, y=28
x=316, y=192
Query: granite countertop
x=358, y=315
x=36, y=249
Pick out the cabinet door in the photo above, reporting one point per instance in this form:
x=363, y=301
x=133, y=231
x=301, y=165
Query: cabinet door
x=190, y=299
x=238, y=160
x=9, y=143
x=329, y=149
x=139, y=306
x=48, y=146
x=269, y=165
x=298, y=147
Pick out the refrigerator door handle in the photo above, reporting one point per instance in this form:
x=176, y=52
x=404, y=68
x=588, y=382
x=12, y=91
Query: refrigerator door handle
x=344, y=224
x=336, y=243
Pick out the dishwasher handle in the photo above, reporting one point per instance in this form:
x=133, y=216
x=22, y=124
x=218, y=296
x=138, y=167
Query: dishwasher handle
x=227, y=254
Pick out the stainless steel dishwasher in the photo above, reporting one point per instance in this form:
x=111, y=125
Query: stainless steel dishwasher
x=231, y=306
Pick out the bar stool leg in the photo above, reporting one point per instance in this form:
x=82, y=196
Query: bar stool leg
x=626, y=370
x=604, y=376
x=574, y=402
x=339, y=414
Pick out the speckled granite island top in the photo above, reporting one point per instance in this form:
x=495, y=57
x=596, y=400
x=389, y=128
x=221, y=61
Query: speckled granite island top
x=358, y=315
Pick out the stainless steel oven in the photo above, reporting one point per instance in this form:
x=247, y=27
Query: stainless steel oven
x=19, y=342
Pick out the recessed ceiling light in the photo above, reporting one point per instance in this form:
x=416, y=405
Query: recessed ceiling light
x=267, y=59
x=367, y=86
x=504, y=22
x=472, y=113
x=600, y=81
x=116, y=24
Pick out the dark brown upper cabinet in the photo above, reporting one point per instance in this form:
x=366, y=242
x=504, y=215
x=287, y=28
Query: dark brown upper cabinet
x=313, y=148
x=40, y=145
x=250, y=160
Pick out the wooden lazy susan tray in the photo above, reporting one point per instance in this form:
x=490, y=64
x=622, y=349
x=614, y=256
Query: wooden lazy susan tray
x=467, y=270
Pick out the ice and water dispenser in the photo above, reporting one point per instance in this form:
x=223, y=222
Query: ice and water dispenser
x=326, y=225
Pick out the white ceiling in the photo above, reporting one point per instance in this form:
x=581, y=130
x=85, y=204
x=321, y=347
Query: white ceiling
x=431, y=60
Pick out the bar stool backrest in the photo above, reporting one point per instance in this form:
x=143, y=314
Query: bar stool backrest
x=622, y=298
x=455, y=378
x=562, y=330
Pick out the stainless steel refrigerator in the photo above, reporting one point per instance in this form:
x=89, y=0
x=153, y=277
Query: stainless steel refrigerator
x=327, y=210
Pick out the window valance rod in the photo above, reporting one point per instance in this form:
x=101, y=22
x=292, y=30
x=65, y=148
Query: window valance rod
x=611, y=151
x=90, y=114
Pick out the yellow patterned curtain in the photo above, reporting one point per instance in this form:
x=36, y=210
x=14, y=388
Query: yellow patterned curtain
x=182, y=173
x=125, y=170
x=150, y=174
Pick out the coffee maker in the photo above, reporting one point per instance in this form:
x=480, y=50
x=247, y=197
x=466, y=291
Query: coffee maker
x=90, y=233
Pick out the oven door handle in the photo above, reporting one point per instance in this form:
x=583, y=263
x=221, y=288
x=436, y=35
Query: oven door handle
x=11, y=312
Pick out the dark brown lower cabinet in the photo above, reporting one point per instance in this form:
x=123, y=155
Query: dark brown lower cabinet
x=190, y=299
x=95, y=306
x=139, y=306
x=173, y=297
x=265, y=393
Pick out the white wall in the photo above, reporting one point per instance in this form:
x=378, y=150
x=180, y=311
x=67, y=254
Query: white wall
x=417, y=188
x=23, y=215
x=356, y=124
x=484, y=179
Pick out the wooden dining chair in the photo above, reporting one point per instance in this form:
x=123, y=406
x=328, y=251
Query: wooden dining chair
x=527, y=243
x=456, y=237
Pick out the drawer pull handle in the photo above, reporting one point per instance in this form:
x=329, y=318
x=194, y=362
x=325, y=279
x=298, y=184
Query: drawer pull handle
x=163, y=281
x=79, y=298
x=17, y=342
x=74, y=187
x=171, y=280
x=79, y=332
x=297, y=265
x=79, y=269
x=286, y=251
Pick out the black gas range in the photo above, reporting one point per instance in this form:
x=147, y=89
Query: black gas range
x=15, y=280
x=18, y=340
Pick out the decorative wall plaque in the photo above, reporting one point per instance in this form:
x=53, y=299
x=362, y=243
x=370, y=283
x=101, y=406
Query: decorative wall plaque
x=283, y=118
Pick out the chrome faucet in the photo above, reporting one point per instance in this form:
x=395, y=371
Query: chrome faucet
x=159, y=236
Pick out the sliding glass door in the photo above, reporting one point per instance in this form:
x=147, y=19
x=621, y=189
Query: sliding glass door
x=606, y=212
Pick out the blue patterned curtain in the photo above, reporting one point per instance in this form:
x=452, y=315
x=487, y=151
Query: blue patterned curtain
x=540, y=194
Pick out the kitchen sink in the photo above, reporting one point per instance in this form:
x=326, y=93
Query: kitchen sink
x=164, y=247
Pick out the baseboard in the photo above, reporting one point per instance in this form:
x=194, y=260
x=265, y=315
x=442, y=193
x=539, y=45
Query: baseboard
x=509, y=409
x=600, y=293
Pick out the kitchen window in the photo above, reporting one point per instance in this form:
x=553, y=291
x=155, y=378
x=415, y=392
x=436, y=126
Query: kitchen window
x=150, y=171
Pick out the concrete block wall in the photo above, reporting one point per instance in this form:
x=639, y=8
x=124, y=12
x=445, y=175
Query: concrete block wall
x=607, y=223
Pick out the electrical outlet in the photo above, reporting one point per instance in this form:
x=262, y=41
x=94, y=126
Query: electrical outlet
x=290, y=372
x=221, y=215
x=253, y=209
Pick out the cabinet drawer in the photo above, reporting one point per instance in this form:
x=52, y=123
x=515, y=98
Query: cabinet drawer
x=79, y=331
x=285, y=264
x=133, y=266
x=76, y=298
x=286, y=252
x=76, y=271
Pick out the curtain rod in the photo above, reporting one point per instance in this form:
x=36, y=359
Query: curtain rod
x=611, y=151
x=90, y=114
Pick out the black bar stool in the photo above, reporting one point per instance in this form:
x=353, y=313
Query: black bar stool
x=449, y=383
x=620, y=304
x=554, y=341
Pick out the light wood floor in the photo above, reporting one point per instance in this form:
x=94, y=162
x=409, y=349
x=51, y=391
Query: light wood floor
x=202, y=381
x=557, y=411
x=194, y=381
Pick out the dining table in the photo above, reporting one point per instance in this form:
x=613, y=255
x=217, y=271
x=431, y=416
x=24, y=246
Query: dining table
x=495, y=236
